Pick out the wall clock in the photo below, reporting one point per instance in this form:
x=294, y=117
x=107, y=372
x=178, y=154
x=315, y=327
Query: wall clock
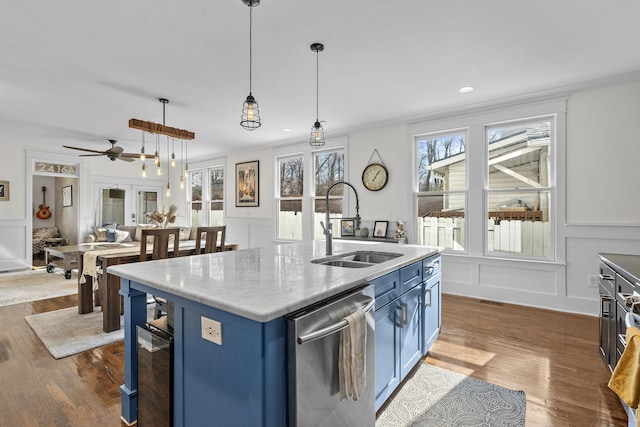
x=375, y=176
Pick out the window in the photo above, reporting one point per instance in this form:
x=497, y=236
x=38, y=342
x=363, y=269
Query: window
x=195, y=201
x=216, y=196
x=300, y=200
x=487, y=186
x=519, y=193
x=442, y=189
x=289, y=197
x=328, y=169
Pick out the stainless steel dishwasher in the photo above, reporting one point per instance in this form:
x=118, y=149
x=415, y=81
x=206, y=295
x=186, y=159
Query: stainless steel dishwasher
x=313, y=339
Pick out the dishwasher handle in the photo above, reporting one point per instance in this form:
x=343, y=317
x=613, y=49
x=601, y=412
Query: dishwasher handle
x=324, y=332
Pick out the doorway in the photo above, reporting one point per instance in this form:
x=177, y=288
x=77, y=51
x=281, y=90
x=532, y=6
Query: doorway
x=125, y=204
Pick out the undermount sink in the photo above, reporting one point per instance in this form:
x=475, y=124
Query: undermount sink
x=358, y=259
x=345, y=263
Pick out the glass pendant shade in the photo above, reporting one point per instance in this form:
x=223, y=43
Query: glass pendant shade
x=250, y=114
x=317, y=135
x=317, y=132
x=250, y=119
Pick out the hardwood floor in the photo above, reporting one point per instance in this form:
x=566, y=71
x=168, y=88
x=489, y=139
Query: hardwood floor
x=552, y=356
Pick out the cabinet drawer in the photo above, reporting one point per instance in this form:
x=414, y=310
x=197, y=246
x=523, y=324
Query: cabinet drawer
x=430, y=267
x=607, y=278
x=410, y=276
x=623, y=288
x=387, y=288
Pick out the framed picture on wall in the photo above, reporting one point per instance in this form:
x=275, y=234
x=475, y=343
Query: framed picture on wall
x=67, y=196
x=380, y=229
x=248, y=184
x=4, y=191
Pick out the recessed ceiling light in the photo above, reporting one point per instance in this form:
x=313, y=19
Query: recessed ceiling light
x=465, y=89
x=287, y=130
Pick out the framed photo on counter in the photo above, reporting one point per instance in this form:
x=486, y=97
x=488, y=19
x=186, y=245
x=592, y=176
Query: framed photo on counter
x=347, y=227
x=380, y=229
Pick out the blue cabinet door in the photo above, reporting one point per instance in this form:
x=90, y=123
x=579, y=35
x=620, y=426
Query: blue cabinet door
x=387, y=352
x=432, y=313
x=410, y=330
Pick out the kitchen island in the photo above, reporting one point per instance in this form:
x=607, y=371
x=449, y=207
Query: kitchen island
x=249, y=292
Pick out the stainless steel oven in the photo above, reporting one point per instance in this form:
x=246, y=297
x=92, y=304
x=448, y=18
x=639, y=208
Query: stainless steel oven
x=607, y=315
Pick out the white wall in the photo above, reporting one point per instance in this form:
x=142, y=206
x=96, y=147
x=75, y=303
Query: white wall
x=602, y=203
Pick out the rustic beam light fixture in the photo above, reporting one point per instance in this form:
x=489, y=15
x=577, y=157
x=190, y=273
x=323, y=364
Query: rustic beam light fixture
x=250, y=119
x=162, y=129
x=317, y=133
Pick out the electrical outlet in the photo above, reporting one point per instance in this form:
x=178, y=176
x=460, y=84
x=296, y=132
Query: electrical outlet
x=211, y=330
x=593, y=280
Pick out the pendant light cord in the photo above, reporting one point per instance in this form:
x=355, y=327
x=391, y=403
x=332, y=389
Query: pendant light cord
x=250, y=43
x=317, y=84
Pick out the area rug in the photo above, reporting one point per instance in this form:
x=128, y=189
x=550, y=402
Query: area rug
x=437, y=397
x=34, y=285
x=65, y=332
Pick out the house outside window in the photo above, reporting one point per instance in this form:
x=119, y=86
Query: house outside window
x=490, y=188
x=442, y=189
x=519, y=191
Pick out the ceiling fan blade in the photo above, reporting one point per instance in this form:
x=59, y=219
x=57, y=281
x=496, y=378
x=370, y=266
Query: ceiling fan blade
x=91, y=155
x=84, y=149
x=131, y=155
x=126, y=159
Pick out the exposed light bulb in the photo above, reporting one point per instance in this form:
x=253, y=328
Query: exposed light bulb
x=144, y=169
x=173, y=160
x=143, y=156
x=186, y=171
x=159, y=170
x=181, y=181
x=250, y=111
x=157, y=159
x=168, y=193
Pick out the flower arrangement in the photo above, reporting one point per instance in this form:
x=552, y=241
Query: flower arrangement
x=163, y=219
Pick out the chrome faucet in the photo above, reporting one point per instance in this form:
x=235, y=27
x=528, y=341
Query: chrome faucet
x=328, y=231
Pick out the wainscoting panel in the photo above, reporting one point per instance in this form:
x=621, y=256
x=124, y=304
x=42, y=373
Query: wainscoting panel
x=13, y=249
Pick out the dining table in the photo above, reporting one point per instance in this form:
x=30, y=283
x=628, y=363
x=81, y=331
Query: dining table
x=103, y=289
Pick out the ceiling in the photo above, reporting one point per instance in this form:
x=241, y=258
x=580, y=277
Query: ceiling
x=74, y=72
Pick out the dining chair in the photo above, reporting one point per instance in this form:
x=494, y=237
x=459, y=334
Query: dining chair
x=161, y=239
x=212, y=243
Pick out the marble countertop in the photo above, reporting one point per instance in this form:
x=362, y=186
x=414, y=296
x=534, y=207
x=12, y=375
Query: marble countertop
x=627, y=265
x=263, y=284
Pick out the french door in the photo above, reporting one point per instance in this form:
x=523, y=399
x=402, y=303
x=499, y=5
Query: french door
x=126, y=204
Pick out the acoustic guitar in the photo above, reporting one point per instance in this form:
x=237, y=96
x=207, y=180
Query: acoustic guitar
x=43, y=209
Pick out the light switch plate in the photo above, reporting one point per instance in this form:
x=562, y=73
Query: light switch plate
x=211, y=330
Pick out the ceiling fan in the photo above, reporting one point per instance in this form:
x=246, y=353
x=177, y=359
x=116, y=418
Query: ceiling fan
x=112, y=153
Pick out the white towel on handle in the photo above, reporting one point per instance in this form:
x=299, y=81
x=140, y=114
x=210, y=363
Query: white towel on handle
x=352, y=356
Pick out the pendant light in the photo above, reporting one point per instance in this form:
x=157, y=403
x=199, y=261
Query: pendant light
x=250, y=119
x=317, y=133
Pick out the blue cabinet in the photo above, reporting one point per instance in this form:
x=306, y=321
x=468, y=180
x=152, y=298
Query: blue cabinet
x=407, y=322
x=431, y=313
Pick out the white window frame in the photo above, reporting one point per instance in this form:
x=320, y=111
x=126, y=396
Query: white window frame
x=476, y=121
x=278, y=197
x=465, y=192
x=307, y=152
x=204, y=168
